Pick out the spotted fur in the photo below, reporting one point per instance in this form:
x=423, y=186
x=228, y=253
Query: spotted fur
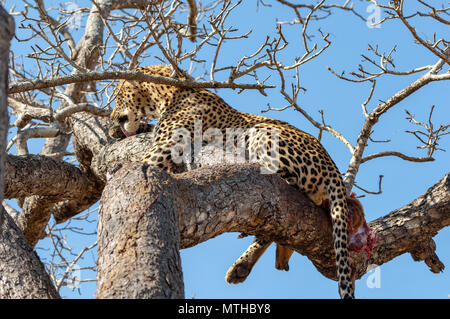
x=303, y=162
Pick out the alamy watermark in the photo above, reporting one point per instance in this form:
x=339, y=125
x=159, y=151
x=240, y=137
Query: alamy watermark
x=253, y=145
x=374, y=278
x=75, y=19
x=73, y=279
x=374, y=19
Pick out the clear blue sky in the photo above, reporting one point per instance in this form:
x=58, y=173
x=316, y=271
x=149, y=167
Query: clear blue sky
x=205, y=265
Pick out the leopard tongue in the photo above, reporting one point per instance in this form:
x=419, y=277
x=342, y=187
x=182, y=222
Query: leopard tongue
x=124, y=131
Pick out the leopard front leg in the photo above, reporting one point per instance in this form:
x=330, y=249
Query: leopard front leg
x=164, y=155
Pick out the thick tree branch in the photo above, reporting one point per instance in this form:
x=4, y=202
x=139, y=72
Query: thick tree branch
x=41, y=175
x=209, y=202
x=46, y=181
x=138, y=247
x=22, y=275
x=412, y=227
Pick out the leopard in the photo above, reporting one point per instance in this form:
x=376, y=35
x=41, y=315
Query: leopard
x=300, y=159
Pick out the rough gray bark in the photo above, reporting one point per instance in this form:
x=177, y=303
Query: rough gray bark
x=38, y=175
x=412, y=227
x=209, y=202
x=131, y=149
x=22, y=275
x=138, y=236
x=6, y=33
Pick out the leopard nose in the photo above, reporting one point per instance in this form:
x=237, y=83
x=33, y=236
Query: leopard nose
x=123, y=119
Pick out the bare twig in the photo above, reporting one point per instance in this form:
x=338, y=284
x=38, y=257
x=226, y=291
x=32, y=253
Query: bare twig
x=127, y=75
x=370, y=192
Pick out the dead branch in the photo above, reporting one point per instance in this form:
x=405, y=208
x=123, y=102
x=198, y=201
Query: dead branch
x=130, y=76
x=381, y=109
x=396, y=154
x=431, y=136
x=192, y=19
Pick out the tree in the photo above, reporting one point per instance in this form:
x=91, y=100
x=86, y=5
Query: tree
x=62, y=91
